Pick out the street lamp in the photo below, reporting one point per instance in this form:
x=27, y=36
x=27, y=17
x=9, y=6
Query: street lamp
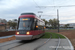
x=40, y=13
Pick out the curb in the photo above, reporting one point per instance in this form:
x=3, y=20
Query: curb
x=6, y=36
x=72, y=48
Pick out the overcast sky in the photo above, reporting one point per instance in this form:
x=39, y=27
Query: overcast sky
x=11, y=9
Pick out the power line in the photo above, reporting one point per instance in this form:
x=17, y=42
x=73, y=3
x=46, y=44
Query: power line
x=57, y=6
x=36, y=4
x=39, y=7
x=48, y=15
x=51, y=2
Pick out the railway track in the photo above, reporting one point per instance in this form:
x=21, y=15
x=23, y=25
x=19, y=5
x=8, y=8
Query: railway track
x=43, y=43
x=58, y=43
x=6, y=44
x=15, y=44
x=21, y=43
x=1, y=45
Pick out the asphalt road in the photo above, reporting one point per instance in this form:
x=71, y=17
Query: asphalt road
x=30, y=45
x=52, y=44
x=22, y=45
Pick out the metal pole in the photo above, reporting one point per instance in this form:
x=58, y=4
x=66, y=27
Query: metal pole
x=58, y=19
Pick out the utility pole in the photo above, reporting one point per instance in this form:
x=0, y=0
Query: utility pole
x=57, y=10
x=58, y=19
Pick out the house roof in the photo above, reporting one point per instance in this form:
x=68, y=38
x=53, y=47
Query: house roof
x=2, y=24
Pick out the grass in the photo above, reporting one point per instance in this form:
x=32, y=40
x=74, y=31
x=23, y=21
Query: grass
x=54, y=35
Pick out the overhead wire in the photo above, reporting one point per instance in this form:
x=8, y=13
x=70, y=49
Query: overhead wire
x=58, y=6
x=36, y=4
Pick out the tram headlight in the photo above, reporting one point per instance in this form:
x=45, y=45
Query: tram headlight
x=27, y=33
x=44, y=27
x=17, y=32
x=36, y=26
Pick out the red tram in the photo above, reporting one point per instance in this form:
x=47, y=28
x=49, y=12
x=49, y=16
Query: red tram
x=29, y=27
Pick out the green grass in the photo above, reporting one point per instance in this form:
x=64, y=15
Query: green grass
x=54, y=35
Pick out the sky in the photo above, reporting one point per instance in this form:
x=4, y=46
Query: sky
x=11, y=9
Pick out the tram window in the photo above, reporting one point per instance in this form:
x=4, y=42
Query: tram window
x=36, y=24
x=24, y=24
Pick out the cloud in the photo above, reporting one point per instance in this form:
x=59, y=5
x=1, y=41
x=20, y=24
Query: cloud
x=11, y=9
x=71, y=21
x=67, y=18
x=8, y=4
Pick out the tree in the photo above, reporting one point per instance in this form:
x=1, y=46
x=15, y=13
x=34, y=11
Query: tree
x=50, y=22
x=12, y=24
x=9, y=23
x=4, y=21
x=67, y=25
x=46, y=22
x=53, y=23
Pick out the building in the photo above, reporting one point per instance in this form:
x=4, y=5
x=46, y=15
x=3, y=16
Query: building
x=3, y=21
x=62, y=25
x=2, y=26
x=72, y=25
